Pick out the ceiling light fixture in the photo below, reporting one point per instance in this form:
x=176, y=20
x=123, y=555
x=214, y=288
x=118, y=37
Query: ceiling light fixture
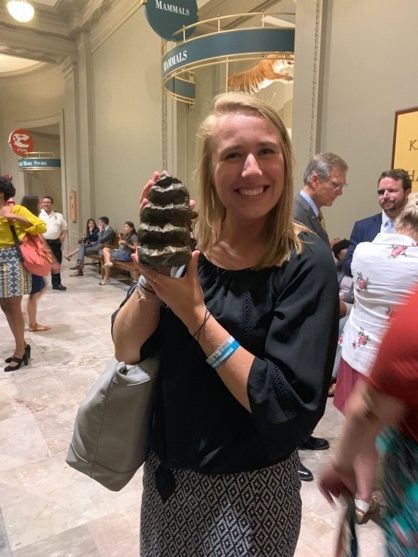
x=20, y=10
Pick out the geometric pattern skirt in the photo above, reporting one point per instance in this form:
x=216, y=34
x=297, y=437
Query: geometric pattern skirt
x=253, y=513
x=14, y=278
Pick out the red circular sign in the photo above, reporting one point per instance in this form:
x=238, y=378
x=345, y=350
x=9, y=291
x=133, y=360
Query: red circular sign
x=21, y=141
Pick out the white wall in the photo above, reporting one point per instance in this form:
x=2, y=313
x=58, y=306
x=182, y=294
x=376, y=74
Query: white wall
x=46, y=182
x=28, y=100
x=127, y=118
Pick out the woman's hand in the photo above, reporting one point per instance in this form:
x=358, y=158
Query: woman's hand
x=334, y=482
x=143, y=199
x=184, y=296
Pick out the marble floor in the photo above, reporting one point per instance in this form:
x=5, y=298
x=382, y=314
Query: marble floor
x=49, y=510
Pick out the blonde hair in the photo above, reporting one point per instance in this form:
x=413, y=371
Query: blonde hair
x=408, y=218
x=280, y=233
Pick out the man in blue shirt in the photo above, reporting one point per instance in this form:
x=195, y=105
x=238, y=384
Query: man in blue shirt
x=393, y=188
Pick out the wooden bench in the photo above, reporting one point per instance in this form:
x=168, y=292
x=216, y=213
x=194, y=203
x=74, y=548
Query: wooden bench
x=129, y=266
x=97, y=260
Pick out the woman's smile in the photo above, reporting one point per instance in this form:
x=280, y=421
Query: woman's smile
x=252, y=192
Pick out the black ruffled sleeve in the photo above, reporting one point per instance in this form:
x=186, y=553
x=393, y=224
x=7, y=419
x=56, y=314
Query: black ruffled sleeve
x=288, y=386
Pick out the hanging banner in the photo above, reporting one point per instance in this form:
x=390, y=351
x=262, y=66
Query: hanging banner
x=217, y=48
x=21, y=141
x=405, y=143
x=168, y=17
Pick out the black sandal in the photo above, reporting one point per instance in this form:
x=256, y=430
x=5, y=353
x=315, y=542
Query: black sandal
x=18, y=361
x=27, y=351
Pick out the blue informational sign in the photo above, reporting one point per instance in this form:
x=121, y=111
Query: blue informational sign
x=39, y=164
x=167, y=17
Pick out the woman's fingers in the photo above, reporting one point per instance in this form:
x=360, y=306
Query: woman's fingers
x=192, y=265
x=152, y=274
x=143, y=199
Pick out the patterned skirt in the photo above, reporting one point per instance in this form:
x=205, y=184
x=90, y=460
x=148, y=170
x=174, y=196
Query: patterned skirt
x=400, y=490
x=246, y=514
x=14, y=279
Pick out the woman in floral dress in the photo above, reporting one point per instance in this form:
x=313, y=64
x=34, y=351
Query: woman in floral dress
x=385, y=271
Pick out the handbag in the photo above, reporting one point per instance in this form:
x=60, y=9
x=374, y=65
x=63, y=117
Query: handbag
x=111, y=430
x=33, y=253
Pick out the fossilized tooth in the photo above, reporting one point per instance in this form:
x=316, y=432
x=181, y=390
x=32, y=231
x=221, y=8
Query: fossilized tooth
x=165, y=232
x=168, y=190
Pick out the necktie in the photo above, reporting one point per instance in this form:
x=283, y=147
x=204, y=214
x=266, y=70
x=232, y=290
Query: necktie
x=390, y=226
x=321, y=220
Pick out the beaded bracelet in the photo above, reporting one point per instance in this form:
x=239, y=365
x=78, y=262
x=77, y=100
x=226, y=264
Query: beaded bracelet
x=226, y=354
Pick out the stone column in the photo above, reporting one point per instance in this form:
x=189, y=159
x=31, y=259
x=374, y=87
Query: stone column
x=70, y=147
x=306, y=89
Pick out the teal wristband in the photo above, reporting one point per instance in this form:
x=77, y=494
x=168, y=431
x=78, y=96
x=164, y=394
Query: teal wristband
x=227, y=353
x=219, y=351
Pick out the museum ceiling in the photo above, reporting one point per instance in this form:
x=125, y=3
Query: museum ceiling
x=51, y=35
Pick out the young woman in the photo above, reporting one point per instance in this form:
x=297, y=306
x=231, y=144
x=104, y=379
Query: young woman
x=246, y=341
x=91, y=236
x=14, y=279
x=127, y=246
x=33, y=204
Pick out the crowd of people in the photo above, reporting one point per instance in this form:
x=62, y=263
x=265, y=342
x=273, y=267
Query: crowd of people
x=36, y=215
x=258, y=331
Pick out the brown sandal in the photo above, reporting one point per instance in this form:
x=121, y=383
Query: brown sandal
x=39, y=328
x=365, y=510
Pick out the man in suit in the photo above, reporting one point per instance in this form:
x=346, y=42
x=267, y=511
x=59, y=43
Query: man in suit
x=324, y=180
x=393, y=188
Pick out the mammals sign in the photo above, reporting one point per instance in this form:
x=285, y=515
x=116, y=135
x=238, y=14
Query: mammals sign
x=167, y=17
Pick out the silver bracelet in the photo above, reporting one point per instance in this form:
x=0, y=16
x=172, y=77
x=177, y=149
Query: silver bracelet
x=146, y=292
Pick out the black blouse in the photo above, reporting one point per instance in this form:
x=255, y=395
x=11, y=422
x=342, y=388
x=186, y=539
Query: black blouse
x=288, y=318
